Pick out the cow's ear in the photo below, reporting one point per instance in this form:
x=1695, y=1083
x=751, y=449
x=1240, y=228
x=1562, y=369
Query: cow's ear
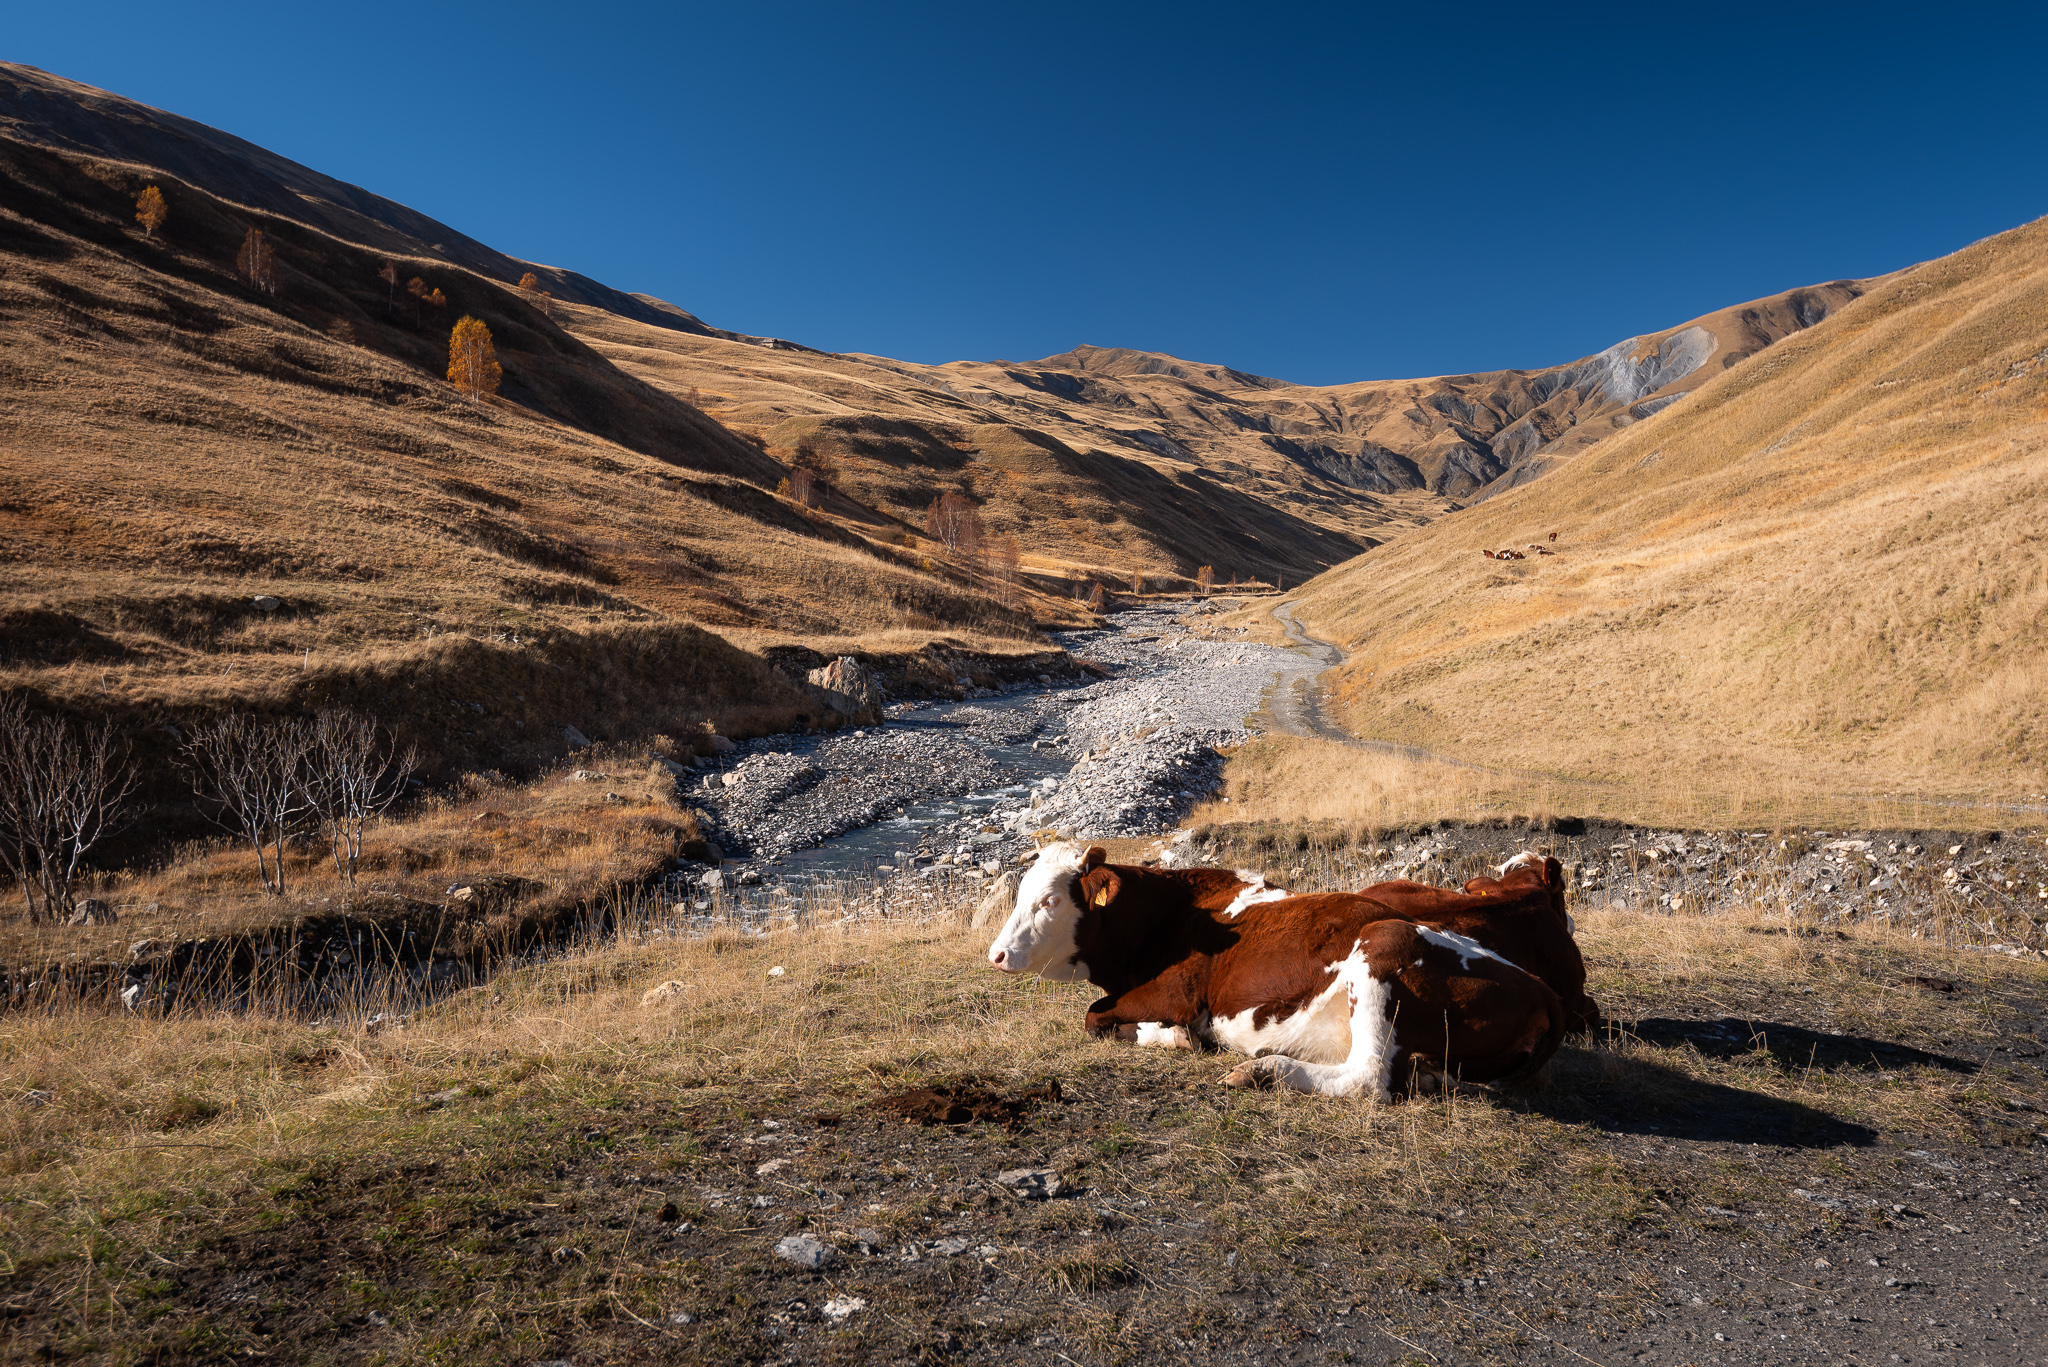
x=1100, y=886
x=1095, y=857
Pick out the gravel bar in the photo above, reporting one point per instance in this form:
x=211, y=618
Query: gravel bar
x=967, y=784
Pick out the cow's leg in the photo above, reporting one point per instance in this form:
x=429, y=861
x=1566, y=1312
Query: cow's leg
x=1367, y=1070
x=1148, y=1035
x=1154, y=1006
x=1153, y=1035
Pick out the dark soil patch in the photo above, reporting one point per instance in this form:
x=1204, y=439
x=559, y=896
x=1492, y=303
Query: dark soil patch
x=966, y=1100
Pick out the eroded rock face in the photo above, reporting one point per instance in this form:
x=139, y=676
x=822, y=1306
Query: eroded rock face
x=848, y=687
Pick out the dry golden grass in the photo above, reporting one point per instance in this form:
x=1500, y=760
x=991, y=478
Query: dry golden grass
x=572, y=842
x=1816, y=581
x=859, y=994
x=486, y=1176
x=1299, y=779
x=175, y=445
x=1084, y=499
x=855, y=1000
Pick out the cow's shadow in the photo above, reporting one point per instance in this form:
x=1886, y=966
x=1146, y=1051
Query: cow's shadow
x=1626, y=1091
x=1793, y=1046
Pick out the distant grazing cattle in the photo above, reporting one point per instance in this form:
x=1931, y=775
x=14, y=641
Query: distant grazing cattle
x=1553, y=536
x=1334, y=993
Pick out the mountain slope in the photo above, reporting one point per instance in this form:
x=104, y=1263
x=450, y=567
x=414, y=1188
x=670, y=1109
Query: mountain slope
x=175, y=445
x=1825, y=568
x=49, y=111
x=1358, y=463
x=1102, y=462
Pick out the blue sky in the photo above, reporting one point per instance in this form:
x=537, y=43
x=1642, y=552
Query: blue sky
x=1319, y=192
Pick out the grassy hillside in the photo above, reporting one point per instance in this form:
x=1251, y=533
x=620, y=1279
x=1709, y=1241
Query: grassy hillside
x=1102, y=462
x=1112, y=459
x=1822, y=572
x=175, y=444
x=1079, y=503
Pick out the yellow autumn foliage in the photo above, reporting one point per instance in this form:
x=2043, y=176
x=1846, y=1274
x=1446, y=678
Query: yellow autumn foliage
x=472, y=358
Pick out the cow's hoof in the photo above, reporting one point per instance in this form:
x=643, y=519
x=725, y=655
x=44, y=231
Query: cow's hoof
x=1248, y=1075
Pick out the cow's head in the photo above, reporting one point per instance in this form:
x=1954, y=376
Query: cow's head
x=1529, y=869
x=1040, y=936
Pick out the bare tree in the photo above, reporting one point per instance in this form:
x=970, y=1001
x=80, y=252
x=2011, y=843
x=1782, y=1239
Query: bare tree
x=953, y=521
x=1205, y=579
x=250, y=779
x=803, y=486
x=1095, y=598
x=388, y=273
x=1137, y=583
x=351, y=777
x=60, y=795
x=256, y=262
x=1006, y=569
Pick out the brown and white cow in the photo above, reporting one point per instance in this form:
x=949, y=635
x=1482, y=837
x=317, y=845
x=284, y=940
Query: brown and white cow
x=1228, y=893
x=1519, y=914
x=1329, y=993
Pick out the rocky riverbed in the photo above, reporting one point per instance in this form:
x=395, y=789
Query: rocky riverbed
x=966, y=785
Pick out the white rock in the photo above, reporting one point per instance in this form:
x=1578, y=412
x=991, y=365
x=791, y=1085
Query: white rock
x=840, y=1307
x=668, y=991
x=1032, y=1184
x=806, y=1250
x=574, y=737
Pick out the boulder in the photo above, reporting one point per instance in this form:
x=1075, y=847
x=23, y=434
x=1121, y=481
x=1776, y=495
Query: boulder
x=576, y=739
x=720, y=745
x=93, y=912
x=265, y=603
x=848, y=687
x=492, y=891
